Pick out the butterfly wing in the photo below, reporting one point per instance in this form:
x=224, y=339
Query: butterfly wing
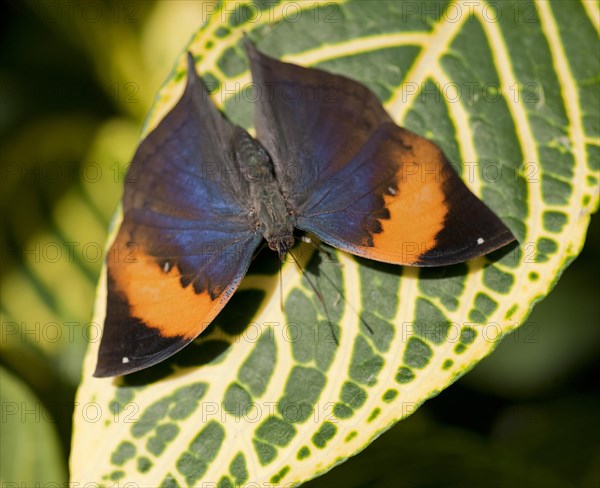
x=357, y=180
x=186, y=239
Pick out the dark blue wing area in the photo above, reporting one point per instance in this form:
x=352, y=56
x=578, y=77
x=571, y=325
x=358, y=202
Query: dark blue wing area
x=311, y=122
x=187, y=237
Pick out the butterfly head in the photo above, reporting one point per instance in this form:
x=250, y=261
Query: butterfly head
x=281, y=243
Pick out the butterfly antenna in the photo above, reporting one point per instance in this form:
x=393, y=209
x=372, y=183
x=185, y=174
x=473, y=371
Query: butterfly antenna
x=363, y=321
x=318, y=246
x=281, y=287
x=319, y=296
x=312, y=285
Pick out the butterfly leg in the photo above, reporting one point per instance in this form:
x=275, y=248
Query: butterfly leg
x=318, y=245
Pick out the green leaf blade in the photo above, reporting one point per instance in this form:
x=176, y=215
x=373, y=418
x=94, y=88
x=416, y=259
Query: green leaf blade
x=291, y=395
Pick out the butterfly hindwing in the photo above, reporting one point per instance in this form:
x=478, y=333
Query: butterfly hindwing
x=186, y=239
x=399, y=201
x=357, y=180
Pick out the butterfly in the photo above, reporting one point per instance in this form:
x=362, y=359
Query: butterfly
x=204, y=194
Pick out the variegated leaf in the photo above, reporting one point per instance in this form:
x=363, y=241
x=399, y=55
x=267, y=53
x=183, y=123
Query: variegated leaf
x=510, y=93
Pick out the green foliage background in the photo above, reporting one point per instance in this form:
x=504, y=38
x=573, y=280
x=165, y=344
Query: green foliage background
x=74, y=96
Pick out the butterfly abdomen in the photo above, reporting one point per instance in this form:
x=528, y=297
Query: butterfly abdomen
x=273, y=219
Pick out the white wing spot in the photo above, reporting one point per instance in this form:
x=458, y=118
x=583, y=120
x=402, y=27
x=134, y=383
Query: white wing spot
x=391, y=190
x=480, y=241
x=125, y=360
x=166, y=266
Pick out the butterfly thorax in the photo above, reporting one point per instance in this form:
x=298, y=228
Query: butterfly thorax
x=273, y=219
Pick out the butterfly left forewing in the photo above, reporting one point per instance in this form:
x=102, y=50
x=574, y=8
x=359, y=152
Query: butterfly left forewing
x=186, y=239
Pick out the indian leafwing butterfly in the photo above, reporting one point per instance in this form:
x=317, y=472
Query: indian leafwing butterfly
x=327, y=160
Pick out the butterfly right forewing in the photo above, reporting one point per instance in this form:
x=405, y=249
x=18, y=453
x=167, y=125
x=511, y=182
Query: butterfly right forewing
x=357, y=180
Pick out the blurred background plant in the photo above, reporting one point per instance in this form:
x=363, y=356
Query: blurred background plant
x=76, y=81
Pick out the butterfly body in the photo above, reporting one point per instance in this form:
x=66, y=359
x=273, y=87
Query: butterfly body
x=327, y=160
x=274, y=220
